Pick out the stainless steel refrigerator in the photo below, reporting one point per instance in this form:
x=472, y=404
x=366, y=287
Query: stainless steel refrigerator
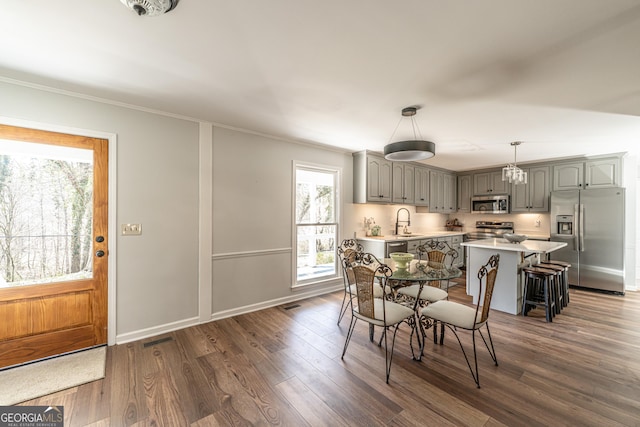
x=591, y=222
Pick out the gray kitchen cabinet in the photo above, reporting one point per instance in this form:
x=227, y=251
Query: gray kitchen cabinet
x=377, y=248
x=412, y=246
x=455, y=245
x=533, y=196
x=489, y=183
x=464, y=193
x=568, y=176
x=603, y=173
x=403, y=183
x=596, y=173
x=372, y=175
x=442, y=192
x=450, y=186
x=421, y=180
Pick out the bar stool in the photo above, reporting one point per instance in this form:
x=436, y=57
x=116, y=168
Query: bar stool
x=565, y=278
x=557, y=290
x=538, y=291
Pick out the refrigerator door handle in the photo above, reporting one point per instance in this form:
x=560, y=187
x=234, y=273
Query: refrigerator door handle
x=576, y=225
x=581, y=227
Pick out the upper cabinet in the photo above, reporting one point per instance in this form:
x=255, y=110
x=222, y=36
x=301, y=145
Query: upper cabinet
x=421, y=180
x=602, y=173
x=449, y=183
x=533, y=196
x=403, y=180
x=372, y=175
x=442, y=192
x=464, y=193
x=596, y=173
x=377, y=180
x=489, y=183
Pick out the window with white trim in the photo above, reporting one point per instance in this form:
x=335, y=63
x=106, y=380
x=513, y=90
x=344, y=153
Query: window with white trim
x=316, y=223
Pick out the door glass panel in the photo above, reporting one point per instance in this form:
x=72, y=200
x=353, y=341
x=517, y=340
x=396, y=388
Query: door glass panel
x=46, y=210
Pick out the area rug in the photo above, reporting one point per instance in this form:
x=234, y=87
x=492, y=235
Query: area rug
x=38, y=379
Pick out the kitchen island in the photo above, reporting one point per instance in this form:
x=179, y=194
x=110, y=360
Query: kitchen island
x=507, y=293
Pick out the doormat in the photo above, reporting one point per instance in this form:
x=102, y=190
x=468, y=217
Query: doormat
x=38, y=379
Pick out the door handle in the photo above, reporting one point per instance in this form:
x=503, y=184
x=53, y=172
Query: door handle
x=100, y=253
x=100, y=239
x=581, y=228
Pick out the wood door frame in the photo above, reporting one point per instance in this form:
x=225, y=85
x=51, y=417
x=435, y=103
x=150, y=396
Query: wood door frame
x=112, y=224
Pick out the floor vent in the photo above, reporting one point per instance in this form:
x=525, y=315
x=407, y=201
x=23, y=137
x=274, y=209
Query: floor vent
x=292, y=306
x=159, y=341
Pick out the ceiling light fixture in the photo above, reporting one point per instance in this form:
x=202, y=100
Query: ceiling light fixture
x=412, y=150
x=513, y=173
x=150, y=7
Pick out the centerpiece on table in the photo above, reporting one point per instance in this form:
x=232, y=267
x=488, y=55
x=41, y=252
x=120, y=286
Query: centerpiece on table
x=401, y=260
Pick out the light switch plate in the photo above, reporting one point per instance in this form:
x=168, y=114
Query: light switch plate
x=131, y=229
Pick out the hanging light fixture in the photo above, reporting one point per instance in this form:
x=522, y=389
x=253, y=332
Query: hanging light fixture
x=513, y=173
x=150, y=7
x=412, y=150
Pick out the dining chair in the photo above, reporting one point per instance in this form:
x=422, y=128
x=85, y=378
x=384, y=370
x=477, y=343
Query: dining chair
x=434, y=254
x=346, y=254
x=460, y=316
x=376, y=311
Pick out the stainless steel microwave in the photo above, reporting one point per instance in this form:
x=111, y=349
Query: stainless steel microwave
x=490, y=204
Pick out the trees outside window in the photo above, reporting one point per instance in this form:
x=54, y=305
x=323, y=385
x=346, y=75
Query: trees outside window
x=46, y=200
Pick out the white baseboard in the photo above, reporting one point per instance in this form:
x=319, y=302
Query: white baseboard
x=156, y=330
x=272, y=303
x=181, y=324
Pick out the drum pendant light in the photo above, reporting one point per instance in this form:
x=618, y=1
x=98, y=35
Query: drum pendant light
x=411, y=150
x=150, y=7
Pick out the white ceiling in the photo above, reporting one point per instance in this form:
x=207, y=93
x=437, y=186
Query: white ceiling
x=563, y=76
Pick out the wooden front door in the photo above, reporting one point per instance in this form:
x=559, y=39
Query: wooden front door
x=53, y=243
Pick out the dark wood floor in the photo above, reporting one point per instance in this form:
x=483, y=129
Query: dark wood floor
x=282, y=366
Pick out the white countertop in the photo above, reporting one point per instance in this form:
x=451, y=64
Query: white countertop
x=530, y=246
x=533, y=235
x=413, y=236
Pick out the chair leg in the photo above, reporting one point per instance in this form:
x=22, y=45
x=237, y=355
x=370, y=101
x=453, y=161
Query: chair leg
x=435, y=331
x=474, y=373
x=384, y=335
x=345, y=305
x=388, y=357
x=492, y=350
x=418, y=330
x=423, y=332
x=349, y=334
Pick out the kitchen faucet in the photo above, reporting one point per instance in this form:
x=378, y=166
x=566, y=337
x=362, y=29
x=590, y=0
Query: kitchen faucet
x=408, y=221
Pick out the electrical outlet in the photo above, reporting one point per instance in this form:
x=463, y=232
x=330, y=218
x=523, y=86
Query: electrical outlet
x=538, y=223
x=131, y=229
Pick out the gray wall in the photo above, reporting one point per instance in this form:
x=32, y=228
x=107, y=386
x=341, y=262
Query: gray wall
x=252, y=218
x=158, y=277
x=157, y=186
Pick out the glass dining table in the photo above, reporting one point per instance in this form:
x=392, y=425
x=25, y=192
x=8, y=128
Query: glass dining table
x=422, y=273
